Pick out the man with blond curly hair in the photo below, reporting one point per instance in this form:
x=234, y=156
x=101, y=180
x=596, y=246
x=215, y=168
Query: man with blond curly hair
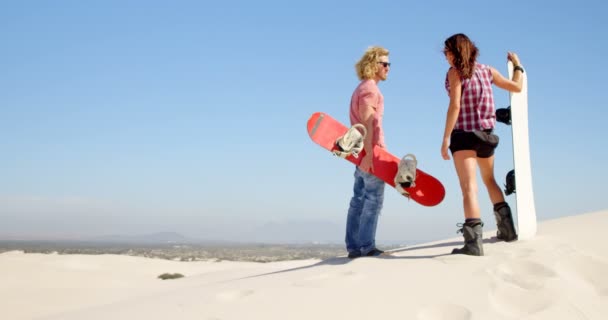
x=367, y=108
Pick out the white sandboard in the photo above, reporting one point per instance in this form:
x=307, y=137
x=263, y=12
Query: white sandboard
x=524, y=196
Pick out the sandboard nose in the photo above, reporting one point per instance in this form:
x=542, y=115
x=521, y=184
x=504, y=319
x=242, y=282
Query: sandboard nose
x=313, y=122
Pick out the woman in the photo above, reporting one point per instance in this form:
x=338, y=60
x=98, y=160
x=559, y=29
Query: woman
x=468, y=134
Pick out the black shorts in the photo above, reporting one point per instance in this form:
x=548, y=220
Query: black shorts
x=464, y=140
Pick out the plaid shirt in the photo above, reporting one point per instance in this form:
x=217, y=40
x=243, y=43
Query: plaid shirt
x=477, y=100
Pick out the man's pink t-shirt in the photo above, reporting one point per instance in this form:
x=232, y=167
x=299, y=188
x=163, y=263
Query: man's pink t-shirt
x=368, y=94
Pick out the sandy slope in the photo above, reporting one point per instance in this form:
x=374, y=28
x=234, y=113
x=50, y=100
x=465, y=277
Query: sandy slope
x=560, y=274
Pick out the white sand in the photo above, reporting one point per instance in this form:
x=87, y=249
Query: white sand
x=560, y=274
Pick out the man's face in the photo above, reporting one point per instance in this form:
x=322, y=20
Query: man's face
x=383, y=67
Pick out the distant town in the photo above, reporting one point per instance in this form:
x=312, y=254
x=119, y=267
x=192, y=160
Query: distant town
x=182, y=252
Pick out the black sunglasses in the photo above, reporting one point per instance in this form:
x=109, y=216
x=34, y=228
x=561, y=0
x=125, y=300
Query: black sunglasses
x=385, y=64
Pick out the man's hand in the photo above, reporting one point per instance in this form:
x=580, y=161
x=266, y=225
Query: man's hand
x=367, y=163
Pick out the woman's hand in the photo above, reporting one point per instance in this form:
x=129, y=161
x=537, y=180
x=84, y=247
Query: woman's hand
x=444, y=149
x=512, y=56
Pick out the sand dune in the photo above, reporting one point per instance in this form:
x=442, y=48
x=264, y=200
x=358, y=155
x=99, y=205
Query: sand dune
x=560, y=274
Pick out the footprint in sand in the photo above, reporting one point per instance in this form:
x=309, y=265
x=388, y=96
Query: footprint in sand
x=588, y=269
x=523, y=253
x=559, y=311
x=518, y=288
x=233, y=295
x=518, y=302
x=313, y=281
x=527, y=275
x=445, y=312
x=319, y=280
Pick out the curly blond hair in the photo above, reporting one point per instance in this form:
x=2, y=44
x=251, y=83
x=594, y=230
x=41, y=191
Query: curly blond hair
x=368, y=64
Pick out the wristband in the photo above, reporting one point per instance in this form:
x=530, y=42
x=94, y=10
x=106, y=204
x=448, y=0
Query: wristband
x=518, y=68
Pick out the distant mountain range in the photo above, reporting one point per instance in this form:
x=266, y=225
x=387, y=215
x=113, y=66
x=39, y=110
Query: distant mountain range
x=278, y=232
x=155, y=238
x=158, y=237
x=148, y=238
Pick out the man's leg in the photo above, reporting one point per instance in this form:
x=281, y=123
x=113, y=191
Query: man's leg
x=373, y=200
x=354, y=215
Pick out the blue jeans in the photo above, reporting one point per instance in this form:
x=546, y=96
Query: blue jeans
x=365, y=206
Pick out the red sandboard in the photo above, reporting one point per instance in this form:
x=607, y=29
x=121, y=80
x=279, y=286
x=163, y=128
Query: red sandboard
x=325, y=130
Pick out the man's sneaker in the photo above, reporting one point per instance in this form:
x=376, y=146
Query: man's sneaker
x=374, y=253
x=354, y=254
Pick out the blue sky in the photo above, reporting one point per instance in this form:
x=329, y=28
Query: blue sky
x=130, y=117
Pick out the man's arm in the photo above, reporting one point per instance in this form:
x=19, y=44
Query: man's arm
x=367, y=113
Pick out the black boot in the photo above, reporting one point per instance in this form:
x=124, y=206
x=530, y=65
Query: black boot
x=504, y=222
x=473, y=239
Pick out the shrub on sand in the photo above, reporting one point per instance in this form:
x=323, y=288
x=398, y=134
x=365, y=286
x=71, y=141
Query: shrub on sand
x=168, y=276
